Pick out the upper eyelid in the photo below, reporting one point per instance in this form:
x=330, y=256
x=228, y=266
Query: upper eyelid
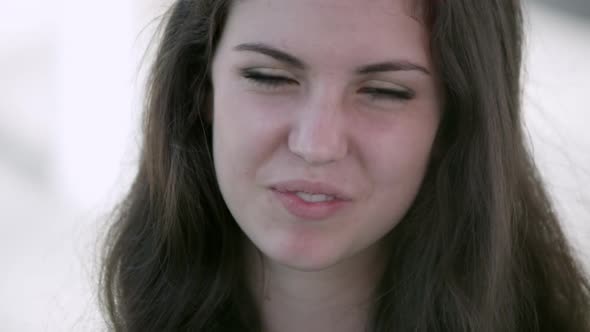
x=282, y=74
x=272, y=71
x=262, y=76
x=383, y=84
x=269, y=71
x=389, y=88
x=404, y=93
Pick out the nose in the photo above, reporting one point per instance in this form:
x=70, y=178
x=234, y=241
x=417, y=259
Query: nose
x=318, y=136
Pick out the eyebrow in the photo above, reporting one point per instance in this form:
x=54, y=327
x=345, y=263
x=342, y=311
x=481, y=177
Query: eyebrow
x=392, y=66
x=293, y=61
x=273, y=53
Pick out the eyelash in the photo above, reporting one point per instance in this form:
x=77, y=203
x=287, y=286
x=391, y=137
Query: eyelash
x=271, y=81
x=380, y=93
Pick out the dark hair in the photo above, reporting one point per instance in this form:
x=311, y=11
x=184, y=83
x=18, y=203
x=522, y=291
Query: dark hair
x=480, y=249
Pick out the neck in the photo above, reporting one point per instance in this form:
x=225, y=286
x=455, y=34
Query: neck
x=337, y=298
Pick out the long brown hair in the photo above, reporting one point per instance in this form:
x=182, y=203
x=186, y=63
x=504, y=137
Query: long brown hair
x=481, y=248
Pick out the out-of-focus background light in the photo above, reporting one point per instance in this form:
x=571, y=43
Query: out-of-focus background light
x=70, y=99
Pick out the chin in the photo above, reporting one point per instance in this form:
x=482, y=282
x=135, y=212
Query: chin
x=305, y=259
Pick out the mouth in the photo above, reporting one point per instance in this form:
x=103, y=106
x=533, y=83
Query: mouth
x=313, y=192
x=309, y=206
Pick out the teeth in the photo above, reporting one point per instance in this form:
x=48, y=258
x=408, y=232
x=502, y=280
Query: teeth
x=313, y=198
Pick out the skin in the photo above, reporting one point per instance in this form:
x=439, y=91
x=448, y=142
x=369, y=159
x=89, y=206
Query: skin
x=322, y=123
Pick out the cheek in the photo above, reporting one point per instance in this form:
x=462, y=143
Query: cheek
x=400, y=160
x=244, y=134
x=249, y=127
x=233, y=141
x=234, y=152
x=244, y=115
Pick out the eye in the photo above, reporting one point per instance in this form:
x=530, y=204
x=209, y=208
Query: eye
x=267, y=80
x=388, y=93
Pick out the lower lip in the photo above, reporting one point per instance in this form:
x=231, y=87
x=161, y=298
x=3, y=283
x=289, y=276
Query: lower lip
x=306, y=210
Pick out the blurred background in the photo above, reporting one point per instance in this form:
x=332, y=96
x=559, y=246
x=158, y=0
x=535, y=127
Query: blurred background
x=70, y=98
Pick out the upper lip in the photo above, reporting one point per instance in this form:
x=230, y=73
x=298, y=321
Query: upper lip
x=312, y=188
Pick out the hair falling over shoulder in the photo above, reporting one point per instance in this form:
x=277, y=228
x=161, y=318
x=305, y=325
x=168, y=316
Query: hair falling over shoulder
x=481, y=249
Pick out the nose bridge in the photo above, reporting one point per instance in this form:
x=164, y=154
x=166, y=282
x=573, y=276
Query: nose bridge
x=319, y=132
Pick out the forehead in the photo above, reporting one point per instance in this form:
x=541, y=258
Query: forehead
x=341, y=28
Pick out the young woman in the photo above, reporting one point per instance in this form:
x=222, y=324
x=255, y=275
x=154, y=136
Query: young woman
x=339, y=165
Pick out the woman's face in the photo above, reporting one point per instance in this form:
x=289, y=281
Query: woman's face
x=336, y=92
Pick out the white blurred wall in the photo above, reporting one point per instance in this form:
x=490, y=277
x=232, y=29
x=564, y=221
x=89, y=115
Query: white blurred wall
x=70, y=95
x=557, y=114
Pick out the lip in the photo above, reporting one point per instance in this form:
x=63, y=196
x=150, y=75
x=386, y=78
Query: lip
x=308, y=210
x=312, y=188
